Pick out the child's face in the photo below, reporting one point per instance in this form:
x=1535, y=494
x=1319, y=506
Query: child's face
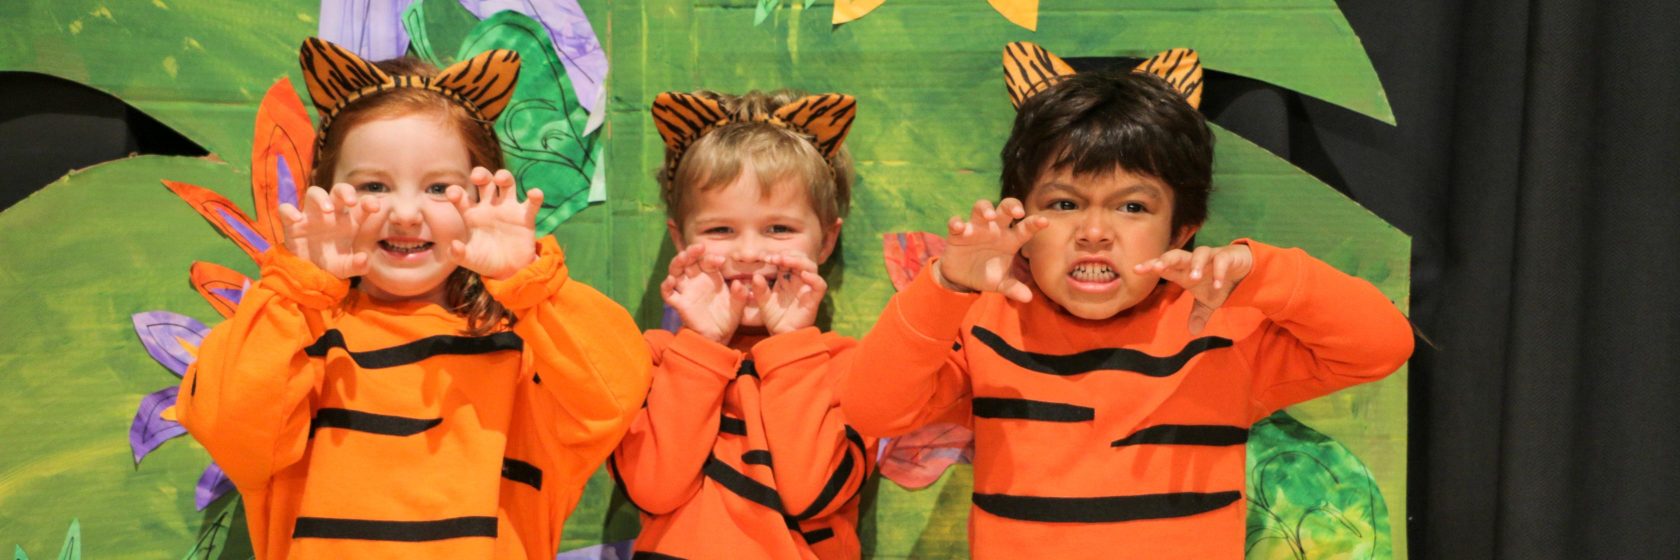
x=1100, y=226
x=408, y=162
x=742, y=224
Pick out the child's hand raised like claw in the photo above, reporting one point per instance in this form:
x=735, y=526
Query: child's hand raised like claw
x=501, y=230
x=708, y=303
x=791, y=303
x=324, y=231
x=1208, y=273
x=980, y=253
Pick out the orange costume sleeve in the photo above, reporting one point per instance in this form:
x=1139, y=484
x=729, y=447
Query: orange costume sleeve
x=745, y=454
x=252, y=410
x=659, y=460
x=909, y=370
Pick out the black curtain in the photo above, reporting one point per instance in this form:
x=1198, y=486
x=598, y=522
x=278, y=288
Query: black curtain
x=1535, y=167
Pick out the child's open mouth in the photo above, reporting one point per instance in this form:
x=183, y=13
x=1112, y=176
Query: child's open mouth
x=403, y=248
x=1093, y=276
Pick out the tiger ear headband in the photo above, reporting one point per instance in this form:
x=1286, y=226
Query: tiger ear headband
x=337, y=78
x=1028, y=69
x=683, y=118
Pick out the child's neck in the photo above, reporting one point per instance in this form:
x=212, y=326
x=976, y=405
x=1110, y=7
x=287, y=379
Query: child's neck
x=745, y=337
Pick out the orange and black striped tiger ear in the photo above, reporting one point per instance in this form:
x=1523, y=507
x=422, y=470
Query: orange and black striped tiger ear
x=826, y=117
x=1181, y=68
x=484, y=82
x=1029, y=69
x=336, y=76
x=683, y=117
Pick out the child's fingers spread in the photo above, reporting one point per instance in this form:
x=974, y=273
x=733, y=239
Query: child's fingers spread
x=480, y=177
x=760, y=289
x=533, y=205
x=1199, y=315
x=358, y=264
x=1221, y=267
x=1015, y=290
x=711, y=263
x=316, y=199
x=1011, y=208
x=504, y=178
x=458, y=250
x=1199, y=261
x=344, y=195
x=290, y=213
x=954, y=226
x=814, y=280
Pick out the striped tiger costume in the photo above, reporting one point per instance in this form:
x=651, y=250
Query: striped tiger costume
x=1121, y=437
x=358, y=428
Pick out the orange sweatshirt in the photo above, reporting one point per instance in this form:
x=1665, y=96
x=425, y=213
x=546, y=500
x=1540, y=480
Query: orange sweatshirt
x=745, y=454
x=378, y=430
x=1121, y=438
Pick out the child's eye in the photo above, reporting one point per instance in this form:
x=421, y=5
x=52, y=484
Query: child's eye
x=719, y=230
x=1062, y=204
x=781, y=229
x=373, y=188
x=437, y=189
x=1134, y=208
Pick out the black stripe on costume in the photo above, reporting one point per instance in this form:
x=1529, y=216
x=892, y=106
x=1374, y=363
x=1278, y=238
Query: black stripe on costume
x=1107, y=509
x=405, y=531
x=741, y=485
x=358, y=421
x=618, y=479
x=747, y=368
x=1024, y=409
x=522, y=472
x=418, y=350
x=831, y=489
x=817, y=536
x=1183, y=434
x=1122, y=359
x=734, y=426
x=756, y=457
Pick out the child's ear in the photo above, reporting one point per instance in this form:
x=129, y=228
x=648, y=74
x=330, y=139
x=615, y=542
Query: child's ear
x=830, y=239
x=676, y=235
x=1184, y=235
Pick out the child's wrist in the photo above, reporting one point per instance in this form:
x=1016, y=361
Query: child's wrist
x=943, y=282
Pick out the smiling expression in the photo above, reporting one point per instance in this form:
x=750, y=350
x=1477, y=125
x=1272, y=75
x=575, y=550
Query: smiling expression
x=408, y=162
x=743, y=223
x=1100, y=226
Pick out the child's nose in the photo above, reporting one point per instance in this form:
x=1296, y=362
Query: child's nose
x=405, y=210
x=1096, y=229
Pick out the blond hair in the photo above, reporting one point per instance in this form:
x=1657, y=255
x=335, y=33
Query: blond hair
x=774, y=153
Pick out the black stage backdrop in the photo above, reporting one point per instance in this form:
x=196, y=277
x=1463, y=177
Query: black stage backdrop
x=1537, y=168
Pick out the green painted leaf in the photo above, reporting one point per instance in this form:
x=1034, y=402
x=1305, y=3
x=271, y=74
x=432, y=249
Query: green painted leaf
x=436, y=29
x=765, y=7
x=1309, y=497
x=542, y=128
x=72, y=549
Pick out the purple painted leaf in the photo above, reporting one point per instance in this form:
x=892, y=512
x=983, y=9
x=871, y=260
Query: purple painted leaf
x=670, y=320
x=917, y=459
x=238, y=226
x=574, y=39
x=150, y=429
x=288, y=186
x=230, y=294
x=370, y=28
x=213, y=484
x=164, y=334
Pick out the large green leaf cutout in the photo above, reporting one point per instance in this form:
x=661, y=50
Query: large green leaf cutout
x=542, y=128
x=1309, y=497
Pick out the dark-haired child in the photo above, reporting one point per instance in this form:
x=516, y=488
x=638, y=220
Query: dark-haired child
x=1111, y=387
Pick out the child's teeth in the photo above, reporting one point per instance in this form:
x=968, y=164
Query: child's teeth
x=1093, y=272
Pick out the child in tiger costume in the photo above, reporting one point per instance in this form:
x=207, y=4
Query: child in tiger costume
x=414, y=375
x=1110, y=370
x=742, y=451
